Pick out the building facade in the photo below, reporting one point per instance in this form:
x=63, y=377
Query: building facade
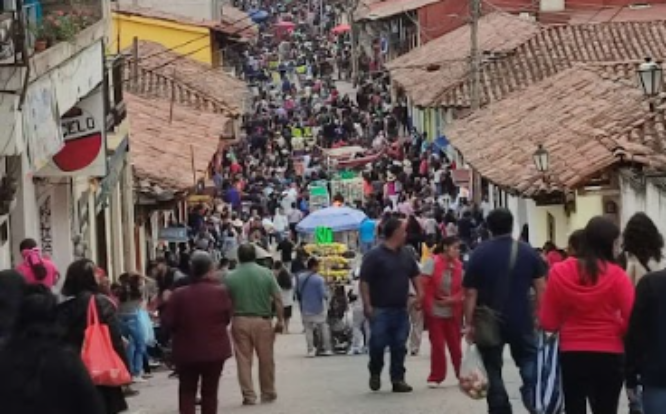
x=61, y=107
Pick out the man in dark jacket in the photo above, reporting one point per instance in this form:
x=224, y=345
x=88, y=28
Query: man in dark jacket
x=197, y=316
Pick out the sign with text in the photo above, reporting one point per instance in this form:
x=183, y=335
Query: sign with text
x=83, y=133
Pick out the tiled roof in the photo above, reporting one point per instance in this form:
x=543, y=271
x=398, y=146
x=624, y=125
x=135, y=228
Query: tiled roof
x=429, y=70
x=597, y=14
x=162, y=150
x=585, y=116
x=164, y=74
x=376, y=10
x=230, y=25
x=557, y=48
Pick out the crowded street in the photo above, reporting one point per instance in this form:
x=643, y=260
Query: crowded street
x=335, y=384
x=345, y=206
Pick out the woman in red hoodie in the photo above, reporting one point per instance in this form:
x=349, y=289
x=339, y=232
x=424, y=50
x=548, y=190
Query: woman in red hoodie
x=588, y=300
x=442, y=304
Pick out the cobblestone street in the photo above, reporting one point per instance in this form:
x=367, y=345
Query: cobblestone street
x=335, y=384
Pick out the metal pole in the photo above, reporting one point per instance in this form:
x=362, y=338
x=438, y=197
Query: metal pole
x=475, y=55
x=135, y=62
x=475, y=61
x=351, y=6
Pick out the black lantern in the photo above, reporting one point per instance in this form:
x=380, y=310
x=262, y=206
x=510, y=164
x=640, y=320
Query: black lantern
x=650, y=76
x=541, y=159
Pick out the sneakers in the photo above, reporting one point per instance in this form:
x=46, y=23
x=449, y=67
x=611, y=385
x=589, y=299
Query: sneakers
x=433, y=384
x=138, y=380
x=402, y=387
x=311, y=353
x=327, y=353
x=375, y=382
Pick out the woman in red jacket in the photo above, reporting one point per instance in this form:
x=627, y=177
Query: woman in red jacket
x=197, y=316
x=588, y=300
x=442, y=305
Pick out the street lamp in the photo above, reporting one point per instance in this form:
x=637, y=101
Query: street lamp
x=541, y=159
x=651, y=78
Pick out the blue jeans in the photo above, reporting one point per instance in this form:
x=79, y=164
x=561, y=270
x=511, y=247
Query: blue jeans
x=654, y=400
x=131, y=329
x=389, y=327
x=366, y=247
x=523, y=351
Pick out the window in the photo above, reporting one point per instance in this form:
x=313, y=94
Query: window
x=551, y=228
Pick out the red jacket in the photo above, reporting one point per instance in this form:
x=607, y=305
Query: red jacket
x=198, y=316
x=588, y=318
x=432, y=287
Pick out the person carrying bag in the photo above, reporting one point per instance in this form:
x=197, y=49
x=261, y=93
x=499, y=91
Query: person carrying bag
x=488, y=318
x=106, y=368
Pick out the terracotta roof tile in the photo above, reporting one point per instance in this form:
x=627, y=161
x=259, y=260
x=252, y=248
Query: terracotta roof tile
x=161, y=71
x=585, y=116
x=429, y=70
x=162, y=150
x=557, y=48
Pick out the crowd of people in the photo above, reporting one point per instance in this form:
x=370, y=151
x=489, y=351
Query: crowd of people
x=431, y=259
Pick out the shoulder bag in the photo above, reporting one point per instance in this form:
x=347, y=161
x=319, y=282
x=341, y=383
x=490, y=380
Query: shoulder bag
x=487, y=318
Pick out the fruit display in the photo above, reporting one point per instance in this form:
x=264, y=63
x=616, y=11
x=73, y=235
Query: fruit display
x=474, y=383
x=329, y=249
x=334, y=265
x=335, y=262
x=335, y=274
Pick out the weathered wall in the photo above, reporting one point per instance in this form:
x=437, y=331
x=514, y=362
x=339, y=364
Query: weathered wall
x=193, y=41
x=197, y=9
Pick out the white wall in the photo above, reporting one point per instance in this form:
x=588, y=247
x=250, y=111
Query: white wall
x=537, y=220
x=649, y=199
x=24, y=221
x=61, y=224
x=197, y=9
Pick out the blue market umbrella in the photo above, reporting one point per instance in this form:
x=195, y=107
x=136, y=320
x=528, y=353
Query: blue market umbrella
x=258, y=16
x=441, y=142
x=335, y=218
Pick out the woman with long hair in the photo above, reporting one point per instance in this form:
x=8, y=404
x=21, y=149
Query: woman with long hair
x=35, y=267
x=72, y=316
x=40, y=374
x=642, y=246
x=441, y=278
x=286, y=282
x=588, y=300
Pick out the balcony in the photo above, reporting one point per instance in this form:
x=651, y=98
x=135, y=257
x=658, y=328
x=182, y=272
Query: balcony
x=41, y=25
x=116, y=110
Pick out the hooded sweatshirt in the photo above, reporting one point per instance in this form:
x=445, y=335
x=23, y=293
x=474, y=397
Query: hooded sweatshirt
x=591, y=318
x=32, y=257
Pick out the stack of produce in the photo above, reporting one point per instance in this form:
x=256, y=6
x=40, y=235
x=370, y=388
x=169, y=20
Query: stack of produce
x=334, y=266
x=328, y=249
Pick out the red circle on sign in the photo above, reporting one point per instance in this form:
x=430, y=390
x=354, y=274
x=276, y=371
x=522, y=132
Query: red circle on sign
x=83, y=141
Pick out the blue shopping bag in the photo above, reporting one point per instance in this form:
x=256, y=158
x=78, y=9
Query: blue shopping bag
x=548, y=395
x=147, y=327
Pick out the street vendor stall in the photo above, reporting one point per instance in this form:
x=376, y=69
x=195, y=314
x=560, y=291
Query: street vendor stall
x=338, y=219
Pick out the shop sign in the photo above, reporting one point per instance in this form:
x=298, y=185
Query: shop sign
x=83, y=133
x=173, y=234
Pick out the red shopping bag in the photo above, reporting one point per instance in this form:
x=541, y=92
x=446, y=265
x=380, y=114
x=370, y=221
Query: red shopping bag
x=98, y=355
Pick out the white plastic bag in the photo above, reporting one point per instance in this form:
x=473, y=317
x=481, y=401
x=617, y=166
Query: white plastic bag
x=473, y=375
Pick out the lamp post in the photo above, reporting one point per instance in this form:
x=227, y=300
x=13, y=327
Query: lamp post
x=651, y=79
x=541, y=158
